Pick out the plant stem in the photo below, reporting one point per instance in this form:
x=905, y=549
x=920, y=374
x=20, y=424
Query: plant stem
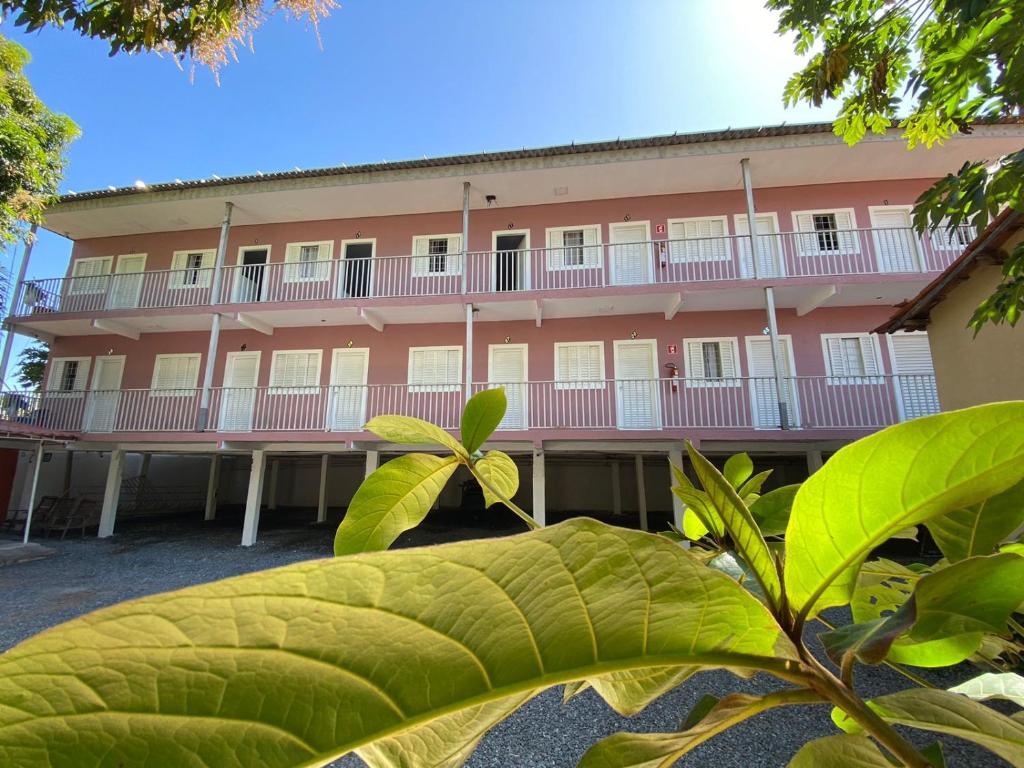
x=893, y=666
x=508, y=503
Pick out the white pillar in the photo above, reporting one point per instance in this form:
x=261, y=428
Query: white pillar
x=465, y=235
x=32, y=492
x=15, y=307
x=212, y=486
x=469, y=351
x=372, y=460
x=111, y=494
x=641, y=492
x=321, y=507
x=814, y=462
x=275, y=467
x=254, y=499
x=211, y=352
x=539, y=508
x=616, y=488
x=675, y=456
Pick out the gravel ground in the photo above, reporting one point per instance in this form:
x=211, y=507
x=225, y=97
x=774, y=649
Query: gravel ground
x=87, y=574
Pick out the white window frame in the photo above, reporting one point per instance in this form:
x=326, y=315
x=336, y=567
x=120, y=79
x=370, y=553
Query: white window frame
x=600, y=383
x=84, y=365
x=449, y=271
x=675, y=245
x=204, y=275
x=82, y=286
x=450, y=387
x=276, y=389
x=563, y=267
x=343, y=264
x=939, y=238
x=712, y=381
x=293, y=264
x=155, y=391
x=855, y=239
x=834, y=379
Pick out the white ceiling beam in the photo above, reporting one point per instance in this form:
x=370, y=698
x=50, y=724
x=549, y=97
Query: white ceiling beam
x=815, y=299
x=538, y=311
x=110, y=326
x=371, y=319
x=254, y=323
x=675, y=303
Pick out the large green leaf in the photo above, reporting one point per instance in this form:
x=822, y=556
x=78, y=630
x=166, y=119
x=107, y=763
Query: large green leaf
x=408, y=430
x=308, y=662
x=740, y=524
x=902, y=476
x=842, y=751
x=658, y=750
x=1005, y=685
x=630, y=691
x=481, y=416
x=738, y=469
x=771, y=511
x=501, y=473
x=392, y=500
x=979, y=529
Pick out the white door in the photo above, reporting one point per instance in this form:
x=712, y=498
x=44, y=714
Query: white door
x=241, y=372
x=347, y=403
x=764, y=400
x=101, y=410
x=769, y=255
x=895, y=244
x=127, y=282
x=507, y=368
x=636, y=385
x=630, y=254
x=913, y=374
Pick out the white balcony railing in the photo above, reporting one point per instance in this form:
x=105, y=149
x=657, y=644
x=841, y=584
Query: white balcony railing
x=660, y=262
x=812, y=403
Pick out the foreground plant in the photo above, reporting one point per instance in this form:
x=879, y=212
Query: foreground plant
x=407, y=658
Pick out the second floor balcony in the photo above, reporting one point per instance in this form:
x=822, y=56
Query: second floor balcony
x=829, y=253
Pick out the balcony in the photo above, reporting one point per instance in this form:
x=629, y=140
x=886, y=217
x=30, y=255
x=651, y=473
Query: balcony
x=548, y=409
x=664, y=263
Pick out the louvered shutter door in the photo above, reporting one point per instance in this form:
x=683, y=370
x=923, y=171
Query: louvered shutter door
x=915, y=376
x=348, y=391
x=508, y=369
x=767, y=247
x=637, y=392
x=101, y=414
x=239, y=394
x=762, y=384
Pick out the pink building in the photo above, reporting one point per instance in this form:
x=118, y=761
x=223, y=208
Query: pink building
x=614, y=290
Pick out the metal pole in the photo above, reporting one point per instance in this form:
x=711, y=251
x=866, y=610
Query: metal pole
x=32, y=492
x=469, y=351
x=465, y=234
x=26, y=254
x=211, y=354
x=748, y=189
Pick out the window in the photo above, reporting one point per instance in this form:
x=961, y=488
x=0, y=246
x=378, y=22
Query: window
x=175, y=375
x=854, y=355
x=435, y=369
x=68, y=374
x=437, y=255
x=308, y=262
x=699, y=239
x=827, y=232
x=944, y=239
x=574, y=247
x=90, y=275
x=192, y=269
x=579, y=365
x=711, y=362
x=295, y=372
x=826, y=227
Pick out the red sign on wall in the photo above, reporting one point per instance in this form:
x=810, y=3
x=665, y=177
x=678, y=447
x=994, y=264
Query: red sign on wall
x=659, y=229
x=673, y=349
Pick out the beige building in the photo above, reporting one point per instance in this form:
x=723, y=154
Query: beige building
x=969, y=369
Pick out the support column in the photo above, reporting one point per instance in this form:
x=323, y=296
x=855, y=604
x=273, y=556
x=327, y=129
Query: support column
x=469, y=351
x=814, y=462
x=212, y=486
x=112, y=494
x=253, y=499
x=641, y=491
x=616, y=488
x=143, y=474
x=211, y=353
x=5, y=356
x=539, y=508
x=32, y=493
x=465, y=235
x=675, y=457
x=69, y=470
x=321, y=507
x=372, y=462
x=275, y=468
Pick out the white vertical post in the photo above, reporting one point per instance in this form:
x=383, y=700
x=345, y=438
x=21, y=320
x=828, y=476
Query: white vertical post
x=211, y=353
x=469, y=351
x=275, y=468
x=321, y=507
x=814, y=462
x=465, y=235
x=675, y=456
x=253, y=499
x=112, y=494
x=32, y=493
x=616, y=488
x=212, y=486
x=539, y=509
x=372, y=461
x=641, y=491
x=5, y=357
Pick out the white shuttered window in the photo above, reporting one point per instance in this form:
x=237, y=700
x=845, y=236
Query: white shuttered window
x=574, y=247
x=711, y=362
x=437, y=255
x=579, y=365
x=175, y=374
x=826, y=232
x=699, y=239
x=850, y=355
x=295, y=372
x=308, y=262
x=90, y=275
x=68, y=374
x=192, y=269
x=435, y=369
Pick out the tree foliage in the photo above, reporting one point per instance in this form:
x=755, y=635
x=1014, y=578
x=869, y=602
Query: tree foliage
x=32, y=144
x=31, y=365
x=934, y=68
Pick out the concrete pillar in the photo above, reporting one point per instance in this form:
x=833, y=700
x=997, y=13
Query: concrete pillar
x=641, y=492
x=112, y=494
x=321, y=507
x=675, y=456
x=69, y=470
x=616, y=488
x=275, y=467
x=254, y=499
x=372, y=461
x=814, y=462
x=539, y=507
x=212, y=486
x=32, y=493
x=143, y=474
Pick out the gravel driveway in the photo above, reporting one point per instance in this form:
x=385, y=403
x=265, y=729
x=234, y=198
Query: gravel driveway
x=90, y=573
